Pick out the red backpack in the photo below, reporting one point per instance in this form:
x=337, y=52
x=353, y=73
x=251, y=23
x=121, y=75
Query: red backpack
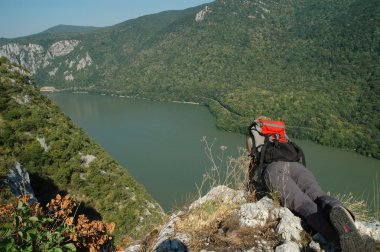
x=268, y=143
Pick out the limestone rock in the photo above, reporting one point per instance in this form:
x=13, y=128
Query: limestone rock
x=369, y=228
x=255, y=214
x=19, y=182
x=35, y=57
x=200, y=16
x=133, y=248
x=69, y=77
x=53, y=72
x=314, y=247
x=290, y=227
x=288, y=247
x=221, y=194
x=30, y=56
x=22, y=100
x=87, y=159
x=286, y=229
x=83, y=62
x=63, y=47
x=43, y=144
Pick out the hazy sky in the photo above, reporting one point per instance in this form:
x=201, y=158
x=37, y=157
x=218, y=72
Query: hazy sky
x=25, y=17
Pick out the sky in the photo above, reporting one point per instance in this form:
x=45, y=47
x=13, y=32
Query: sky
x=25, y=17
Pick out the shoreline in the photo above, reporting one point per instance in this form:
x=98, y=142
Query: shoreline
x=49, y=89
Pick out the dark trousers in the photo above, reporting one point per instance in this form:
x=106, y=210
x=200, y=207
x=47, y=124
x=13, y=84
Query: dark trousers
x=299, y=191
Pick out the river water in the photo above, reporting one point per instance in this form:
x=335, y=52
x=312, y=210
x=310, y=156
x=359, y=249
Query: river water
x=159, y=143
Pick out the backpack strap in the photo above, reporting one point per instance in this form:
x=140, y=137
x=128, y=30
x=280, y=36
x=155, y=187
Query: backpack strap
x=261, y=161
x=300, y=153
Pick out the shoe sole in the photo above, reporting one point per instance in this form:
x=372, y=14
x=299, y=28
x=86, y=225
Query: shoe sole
x=350, y=238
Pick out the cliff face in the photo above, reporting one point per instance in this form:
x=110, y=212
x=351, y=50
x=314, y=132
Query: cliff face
x=58, y=58
x=60, y=158
x=229, y=220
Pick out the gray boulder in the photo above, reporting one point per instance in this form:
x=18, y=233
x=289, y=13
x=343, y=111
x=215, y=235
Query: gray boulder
x=221, y=194
x=289, y=227
x=19, y=182
x=288, y=247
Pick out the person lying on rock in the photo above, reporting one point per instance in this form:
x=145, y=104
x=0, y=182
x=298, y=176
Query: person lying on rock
x=280, y=163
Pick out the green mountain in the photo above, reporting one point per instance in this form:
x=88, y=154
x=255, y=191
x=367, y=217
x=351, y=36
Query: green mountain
x=314, y=64
x=61, y=158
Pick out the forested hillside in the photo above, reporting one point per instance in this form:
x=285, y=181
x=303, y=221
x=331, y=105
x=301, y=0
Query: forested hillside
x=60, y=158
x=314, y=64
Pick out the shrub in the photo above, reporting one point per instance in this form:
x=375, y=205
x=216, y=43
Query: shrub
x=27, y=227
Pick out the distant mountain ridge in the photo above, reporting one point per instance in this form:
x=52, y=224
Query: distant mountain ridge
x=311, y=63
x=70, y=29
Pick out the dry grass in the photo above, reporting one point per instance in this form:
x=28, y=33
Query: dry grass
x=376, y=199
x=215, y=226
x=242, y=238
x=228, y=171
x=357, y=206
x=361, y=208
x=205, y=218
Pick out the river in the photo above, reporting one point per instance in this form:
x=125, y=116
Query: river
x=159, y=143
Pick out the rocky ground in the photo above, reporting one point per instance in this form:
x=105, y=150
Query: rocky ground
x=232, y=220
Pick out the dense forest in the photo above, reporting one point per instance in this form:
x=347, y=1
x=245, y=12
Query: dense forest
x=61, y=158
x=314, y=64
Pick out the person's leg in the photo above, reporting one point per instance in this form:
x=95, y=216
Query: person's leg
x=279, y=178
x=306, y=181
x=342, y=220
x=282, y=177
x=309, y=185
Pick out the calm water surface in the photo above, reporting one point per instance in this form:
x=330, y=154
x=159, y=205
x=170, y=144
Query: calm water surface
x=159, y=143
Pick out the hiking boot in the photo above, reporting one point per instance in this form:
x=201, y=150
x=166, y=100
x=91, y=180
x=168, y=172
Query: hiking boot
x=350, y=238
x=326, y=202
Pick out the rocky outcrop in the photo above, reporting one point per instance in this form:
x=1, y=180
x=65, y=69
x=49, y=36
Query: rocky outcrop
x=35, y=57
x=21, y=100
x=31, y=56
x=62, y=48
x=43, y=143
x=87, y=159
x=257, y=226
x=19, y=182
x=200, y=16
x=83, y=62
